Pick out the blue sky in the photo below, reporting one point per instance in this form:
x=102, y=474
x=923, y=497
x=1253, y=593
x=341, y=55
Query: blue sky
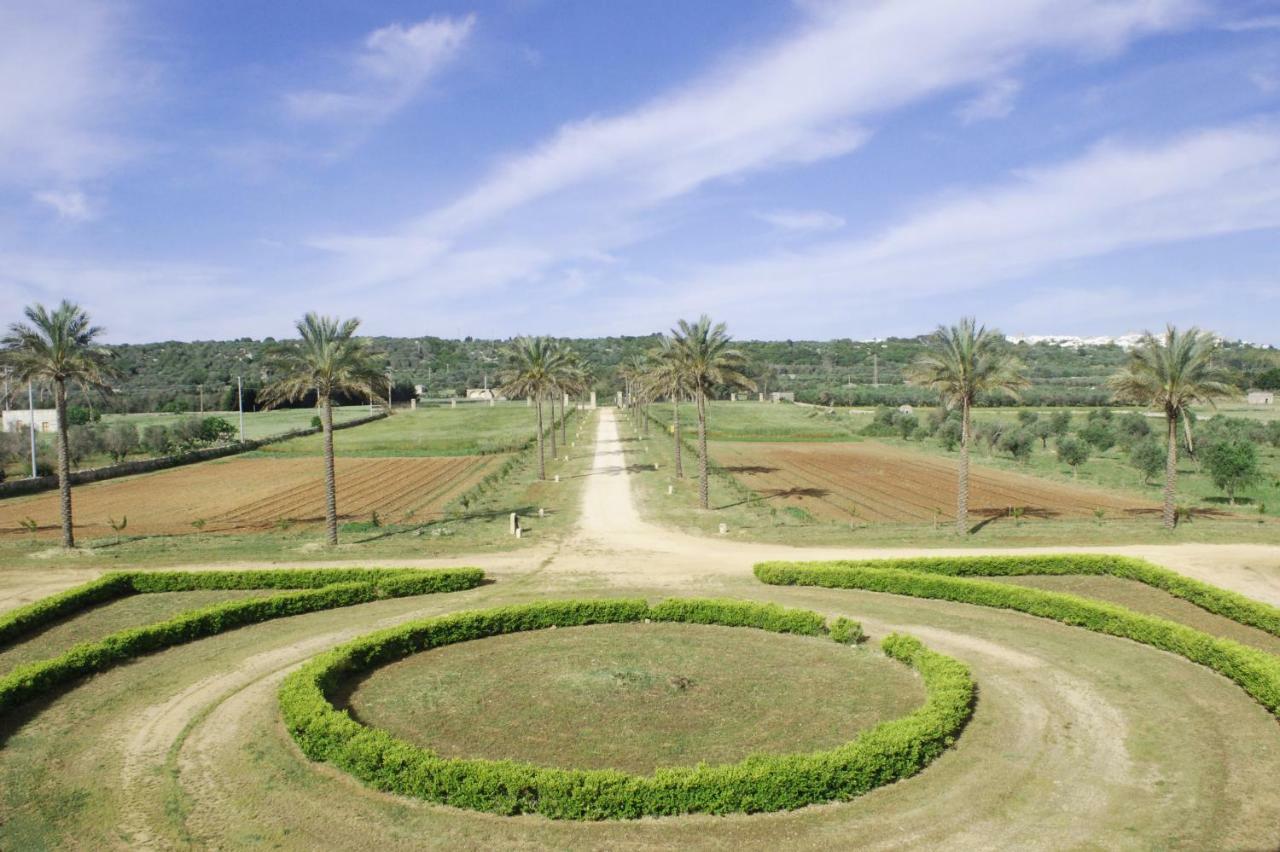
x=192, y=170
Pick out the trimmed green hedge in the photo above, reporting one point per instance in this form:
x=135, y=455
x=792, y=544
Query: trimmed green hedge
x=318, y=590
x=1257, y=672
x=881, y=755
x=1210, y=598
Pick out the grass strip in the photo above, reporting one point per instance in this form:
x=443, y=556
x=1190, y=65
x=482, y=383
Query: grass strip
x=1257, y=672
x=310, y=591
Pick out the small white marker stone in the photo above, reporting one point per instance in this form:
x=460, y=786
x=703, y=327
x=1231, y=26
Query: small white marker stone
x=724, y=529
x=671, y=489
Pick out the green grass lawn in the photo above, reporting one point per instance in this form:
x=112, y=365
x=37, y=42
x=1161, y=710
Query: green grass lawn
x=257, y=424
x=635, y=697
x=443, y=431
x=755, y=421
x=100, y=621
x=184, y=748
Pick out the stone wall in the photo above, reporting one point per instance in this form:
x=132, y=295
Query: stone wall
x=34, y=485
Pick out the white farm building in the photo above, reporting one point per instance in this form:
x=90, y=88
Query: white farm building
x=46, y=419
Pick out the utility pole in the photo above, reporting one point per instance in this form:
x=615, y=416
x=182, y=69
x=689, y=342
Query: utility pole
x=388, y=391
x=31, y=405
x=240, y=403
x=201, y=389
x=875, y=370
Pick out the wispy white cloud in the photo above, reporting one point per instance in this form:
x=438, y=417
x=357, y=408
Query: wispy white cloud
x=1262, y=22
x=69, y=204
x=807, y=97
x=995, y=101
x=1115, y=197
x=391, y=68
x=69, y=78
x=801, y=220
x=165, y=299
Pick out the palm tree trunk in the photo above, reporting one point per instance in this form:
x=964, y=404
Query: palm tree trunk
x=675, y=428
x=704, y=496
x=564, y=422
x=542, y=458
x=64, y=463
x=330, y=481
x=552, y=400
x=962, y=495
x=1171, y=475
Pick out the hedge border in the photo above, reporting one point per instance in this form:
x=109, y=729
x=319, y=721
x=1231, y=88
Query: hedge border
x=888, y=752
x=943, y=578
x=310, y=590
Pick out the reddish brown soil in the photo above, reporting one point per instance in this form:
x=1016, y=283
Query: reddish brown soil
x=253, y=494
x=880, y=484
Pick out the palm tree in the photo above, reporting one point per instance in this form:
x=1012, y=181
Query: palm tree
x=639, y=391
x=1170, y=374
x=665, y=379
x=57, y=347
x=961, y=362
x=570, y=379
x=532, y=364
x=706, y=362
x=329, y=360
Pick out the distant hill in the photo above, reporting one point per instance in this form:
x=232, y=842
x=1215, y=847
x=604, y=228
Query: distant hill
x=173, y=374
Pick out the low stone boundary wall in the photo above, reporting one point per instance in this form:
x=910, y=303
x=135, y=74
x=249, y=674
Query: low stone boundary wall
x=34, y=485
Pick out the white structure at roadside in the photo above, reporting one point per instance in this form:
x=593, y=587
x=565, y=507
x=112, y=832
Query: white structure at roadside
x=20, y=418
x=1261, y=397
x=483, y=393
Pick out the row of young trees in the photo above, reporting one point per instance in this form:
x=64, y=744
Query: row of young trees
x=543, y=370
x=1170, y=373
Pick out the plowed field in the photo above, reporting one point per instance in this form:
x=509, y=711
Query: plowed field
x=880, y=484
x=250, y=494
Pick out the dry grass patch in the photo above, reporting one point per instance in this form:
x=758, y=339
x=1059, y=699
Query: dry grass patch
x=635, y=697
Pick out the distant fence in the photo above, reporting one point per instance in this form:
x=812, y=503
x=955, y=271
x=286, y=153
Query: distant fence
x=34, y=485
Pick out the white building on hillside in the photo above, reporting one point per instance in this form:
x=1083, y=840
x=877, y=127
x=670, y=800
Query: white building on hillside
x=46, y=419
x=1261, y=397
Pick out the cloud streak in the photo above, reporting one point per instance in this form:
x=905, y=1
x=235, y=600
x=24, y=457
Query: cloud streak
x=392, y=66
x=70, y=79
x=1115, y=197
x=804, y=98
x=69, y=204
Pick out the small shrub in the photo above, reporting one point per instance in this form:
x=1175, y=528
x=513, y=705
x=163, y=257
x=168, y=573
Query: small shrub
x=846, y=631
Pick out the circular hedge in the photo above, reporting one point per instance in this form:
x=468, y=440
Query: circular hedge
x=885, y=753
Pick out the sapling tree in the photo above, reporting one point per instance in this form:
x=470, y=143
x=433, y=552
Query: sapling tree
x=1232, y=464
x=1073, y=452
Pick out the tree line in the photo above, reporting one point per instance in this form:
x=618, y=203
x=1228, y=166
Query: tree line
x=696, y=361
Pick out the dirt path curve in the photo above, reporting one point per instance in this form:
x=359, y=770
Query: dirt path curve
x=612, y=540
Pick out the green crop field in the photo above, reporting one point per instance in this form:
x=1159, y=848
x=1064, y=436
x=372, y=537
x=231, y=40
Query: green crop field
x=466, y=430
